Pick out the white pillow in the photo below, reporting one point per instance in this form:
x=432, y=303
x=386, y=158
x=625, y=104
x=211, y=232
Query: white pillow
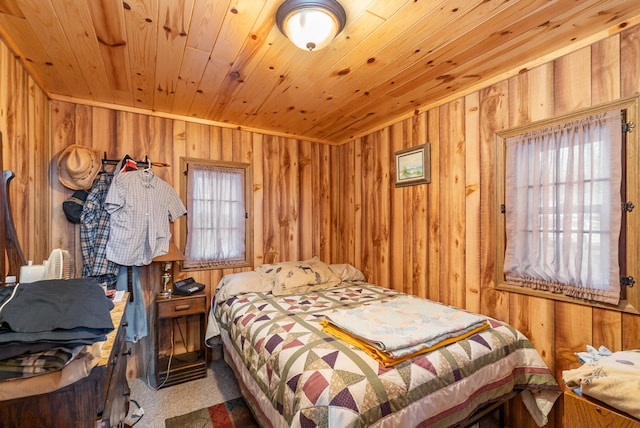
x=347, y=272
x=240, y=283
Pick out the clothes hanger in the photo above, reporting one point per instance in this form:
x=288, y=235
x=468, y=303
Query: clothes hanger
x=128, y=163
x=147, y=163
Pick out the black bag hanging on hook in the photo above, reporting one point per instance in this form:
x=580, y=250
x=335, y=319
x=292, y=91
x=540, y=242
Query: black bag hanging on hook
x=72, y=207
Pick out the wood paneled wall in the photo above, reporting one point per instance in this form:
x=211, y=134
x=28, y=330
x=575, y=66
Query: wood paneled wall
x=24, y=124
x=438, y=240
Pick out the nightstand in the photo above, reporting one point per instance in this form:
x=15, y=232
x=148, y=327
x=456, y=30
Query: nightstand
x=179, y=349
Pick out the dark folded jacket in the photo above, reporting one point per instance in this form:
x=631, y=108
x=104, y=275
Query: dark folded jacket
x=56, y=311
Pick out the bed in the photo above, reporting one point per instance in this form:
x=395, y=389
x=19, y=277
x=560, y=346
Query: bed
x=293, y=373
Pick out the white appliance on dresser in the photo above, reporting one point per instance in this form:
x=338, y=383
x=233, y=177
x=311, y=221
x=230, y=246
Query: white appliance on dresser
x=59, y=265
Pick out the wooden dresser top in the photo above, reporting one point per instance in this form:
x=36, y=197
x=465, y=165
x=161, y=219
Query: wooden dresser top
x=116, y=317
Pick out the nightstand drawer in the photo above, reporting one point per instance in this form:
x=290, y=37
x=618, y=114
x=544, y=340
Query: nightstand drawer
x=179, y=306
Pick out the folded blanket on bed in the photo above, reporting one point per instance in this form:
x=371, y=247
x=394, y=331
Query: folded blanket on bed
x=384, y=358
x=403, y=327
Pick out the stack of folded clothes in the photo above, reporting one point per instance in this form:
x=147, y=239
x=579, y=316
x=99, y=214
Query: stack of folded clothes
x=613, y=378
x=44, y=325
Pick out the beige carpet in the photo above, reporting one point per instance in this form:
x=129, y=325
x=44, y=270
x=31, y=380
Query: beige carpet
x=219, y=386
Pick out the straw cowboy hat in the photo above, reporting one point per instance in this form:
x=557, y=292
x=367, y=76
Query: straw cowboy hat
x=78, y=167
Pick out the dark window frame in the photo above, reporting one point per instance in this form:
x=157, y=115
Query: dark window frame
x=630, y=232
x=185, y=162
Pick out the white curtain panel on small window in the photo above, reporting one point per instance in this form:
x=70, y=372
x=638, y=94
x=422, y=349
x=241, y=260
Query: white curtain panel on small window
x=216, y=220
x=564, y=208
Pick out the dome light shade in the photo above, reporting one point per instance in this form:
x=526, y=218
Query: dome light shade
x=311, y=25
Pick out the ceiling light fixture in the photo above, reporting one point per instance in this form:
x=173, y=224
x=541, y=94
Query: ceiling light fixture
x=311, y=25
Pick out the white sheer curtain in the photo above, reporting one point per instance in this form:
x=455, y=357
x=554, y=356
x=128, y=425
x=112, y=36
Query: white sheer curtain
x=564, y=208
x=216, y=216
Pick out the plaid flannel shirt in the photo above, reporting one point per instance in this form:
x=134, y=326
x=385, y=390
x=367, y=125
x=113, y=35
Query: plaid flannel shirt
x=94, y=234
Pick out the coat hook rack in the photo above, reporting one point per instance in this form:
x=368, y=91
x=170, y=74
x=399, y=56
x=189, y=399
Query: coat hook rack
x=146, y=163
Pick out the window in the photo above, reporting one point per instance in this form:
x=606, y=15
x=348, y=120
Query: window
x=562, y=190
x=218, y=223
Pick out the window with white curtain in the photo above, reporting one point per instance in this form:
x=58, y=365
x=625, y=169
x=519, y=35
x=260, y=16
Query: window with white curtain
x=562, y=195
x=218, y=212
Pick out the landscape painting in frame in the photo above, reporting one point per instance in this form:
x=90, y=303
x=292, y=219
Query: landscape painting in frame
x=413, y=166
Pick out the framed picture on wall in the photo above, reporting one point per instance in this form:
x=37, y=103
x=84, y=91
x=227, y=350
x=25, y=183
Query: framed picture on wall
x=413, y=165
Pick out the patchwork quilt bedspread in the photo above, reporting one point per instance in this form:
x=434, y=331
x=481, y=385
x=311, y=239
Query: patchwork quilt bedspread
x=314, y=379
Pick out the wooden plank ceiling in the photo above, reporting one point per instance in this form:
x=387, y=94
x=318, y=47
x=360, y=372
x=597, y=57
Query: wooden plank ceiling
x=225, y=60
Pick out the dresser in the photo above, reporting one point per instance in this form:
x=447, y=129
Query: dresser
x=583, y=411
x=99, y=400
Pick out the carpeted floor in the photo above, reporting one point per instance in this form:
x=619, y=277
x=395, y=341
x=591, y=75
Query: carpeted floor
x=233, y=413
x=219, y=386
